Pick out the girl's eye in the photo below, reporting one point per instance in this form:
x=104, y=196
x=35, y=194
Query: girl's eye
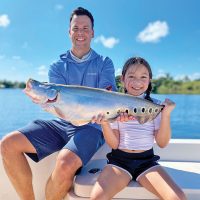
x=143, y=77
x=75, y=29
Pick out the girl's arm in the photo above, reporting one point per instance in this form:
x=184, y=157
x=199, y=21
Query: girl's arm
x=163, y=135
x=111, y=135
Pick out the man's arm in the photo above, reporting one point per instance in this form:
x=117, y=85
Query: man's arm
x=107, y=75
x=55, y=73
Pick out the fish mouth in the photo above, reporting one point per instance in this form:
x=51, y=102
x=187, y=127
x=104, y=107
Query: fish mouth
x=52, y=100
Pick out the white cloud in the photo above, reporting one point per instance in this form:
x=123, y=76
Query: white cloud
x=153, y=32
x=161, y=73
x=107, y=42
x=42, y=70
x=192, y=77
x=59, y=7
x=4, y=20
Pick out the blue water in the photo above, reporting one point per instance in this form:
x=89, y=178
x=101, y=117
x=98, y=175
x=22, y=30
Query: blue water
x=16, y=110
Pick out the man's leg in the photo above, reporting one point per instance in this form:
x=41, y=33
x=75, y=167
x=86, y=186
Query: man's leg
x=77, y=152
x=16, y=165
x=62, y=177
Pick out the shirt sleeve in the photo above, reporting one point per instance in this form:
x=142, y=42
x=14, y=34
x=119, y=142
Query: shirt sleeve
x=107, y=75
x=55, y=74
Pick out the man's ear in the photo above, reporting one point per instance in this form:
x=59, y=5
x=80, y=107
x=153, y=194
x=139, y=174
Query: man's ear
x=92, y=33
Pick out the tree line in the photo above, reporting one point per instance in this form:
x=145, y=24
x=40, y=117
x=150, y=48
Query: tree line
x=162, y=85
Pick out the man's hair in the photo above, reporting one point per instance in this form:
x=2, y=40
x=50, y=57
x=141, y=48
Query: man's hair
x=82, y=11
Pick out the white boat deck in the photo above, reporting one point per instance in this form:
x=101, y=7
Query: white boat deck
x=181, y=159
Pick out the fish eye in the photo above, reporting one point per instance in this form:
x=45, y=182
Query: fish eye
x=135, y=110
x=143, y=110
x=126, y=111
x=150, y=110
x=156, y=110
x=107, y=113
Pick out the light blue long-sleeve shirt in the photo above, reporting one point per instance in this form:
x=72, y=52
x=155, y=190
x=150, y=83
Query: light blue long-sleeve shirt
x=96, y=71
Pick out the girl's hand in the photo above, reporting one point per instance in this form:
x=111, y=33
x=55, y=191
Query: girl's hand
x=124, y=117
x=169, y=106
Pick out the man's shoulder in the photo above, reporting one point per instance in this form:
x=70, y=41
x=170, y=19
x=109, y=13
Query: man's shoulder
x=61, y=61
x=100, y=57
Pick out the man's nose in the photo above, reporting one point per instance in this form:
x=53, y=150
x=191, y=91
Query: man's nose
x=80, y=30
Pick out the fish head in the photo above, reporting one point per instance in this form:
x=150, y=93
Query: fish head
x=41, y=93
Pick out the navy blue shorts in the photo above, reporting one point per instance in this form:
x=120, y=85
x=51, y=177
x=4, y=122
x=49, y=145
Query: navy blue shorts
x=133, y=163
x=49, y=136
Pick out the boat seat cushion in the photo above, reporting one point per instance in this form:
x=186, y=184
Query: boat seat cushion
x=185, y=174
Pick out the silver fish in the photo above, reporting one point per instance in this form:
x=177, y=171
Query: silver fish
x=78, y=104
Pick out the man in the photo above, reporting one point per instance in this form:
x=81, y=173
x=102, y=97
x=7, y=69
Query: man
x=79, y=66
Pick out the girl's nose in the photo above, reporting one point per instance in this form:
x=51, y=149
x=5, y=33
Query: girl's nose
x=137, y=82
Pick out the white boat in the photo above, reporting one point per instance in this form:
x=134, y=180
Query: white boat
x=181, y=159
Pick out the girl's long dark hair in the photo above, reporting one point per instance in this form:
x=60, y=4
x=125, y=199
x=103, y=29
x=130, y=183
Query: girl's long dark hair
x=142, y=61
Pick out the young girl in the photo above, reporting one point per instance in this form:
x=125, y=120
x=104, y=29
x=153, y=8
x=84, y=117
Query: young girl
x=132, y=156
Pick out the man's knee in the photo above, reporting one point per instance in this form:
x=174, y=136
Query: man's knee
x=67, y=164
x=15, y=142
x=7, y=144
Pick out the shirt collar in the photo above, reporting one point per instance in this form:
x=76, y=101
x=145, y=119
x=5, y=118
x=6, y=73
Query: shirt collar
x=83, y=59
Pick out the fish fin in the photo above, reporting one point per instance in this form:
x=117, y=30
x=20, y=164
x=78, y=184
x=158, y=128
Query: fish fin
x=146, y=118
x=143, y=119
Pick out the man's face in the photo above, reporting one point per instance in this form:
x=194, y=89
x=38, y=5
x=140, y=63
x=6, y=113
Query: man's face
x=81, y=32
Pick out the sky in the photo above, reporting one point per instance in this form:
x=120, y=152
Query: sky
x=165, y=32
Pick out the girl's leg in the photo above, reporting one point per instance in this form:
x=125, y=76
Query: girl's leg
x=157, y=181
x=111, y=180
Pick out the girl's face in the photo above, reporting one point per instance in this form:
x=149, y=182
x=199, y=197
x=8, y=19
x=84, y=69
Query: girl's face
x=136, y=79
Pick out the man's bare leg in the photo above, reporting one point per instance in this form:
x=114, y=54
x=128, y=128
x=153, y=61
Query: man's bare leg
x=62, y=177
x=16, y=165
